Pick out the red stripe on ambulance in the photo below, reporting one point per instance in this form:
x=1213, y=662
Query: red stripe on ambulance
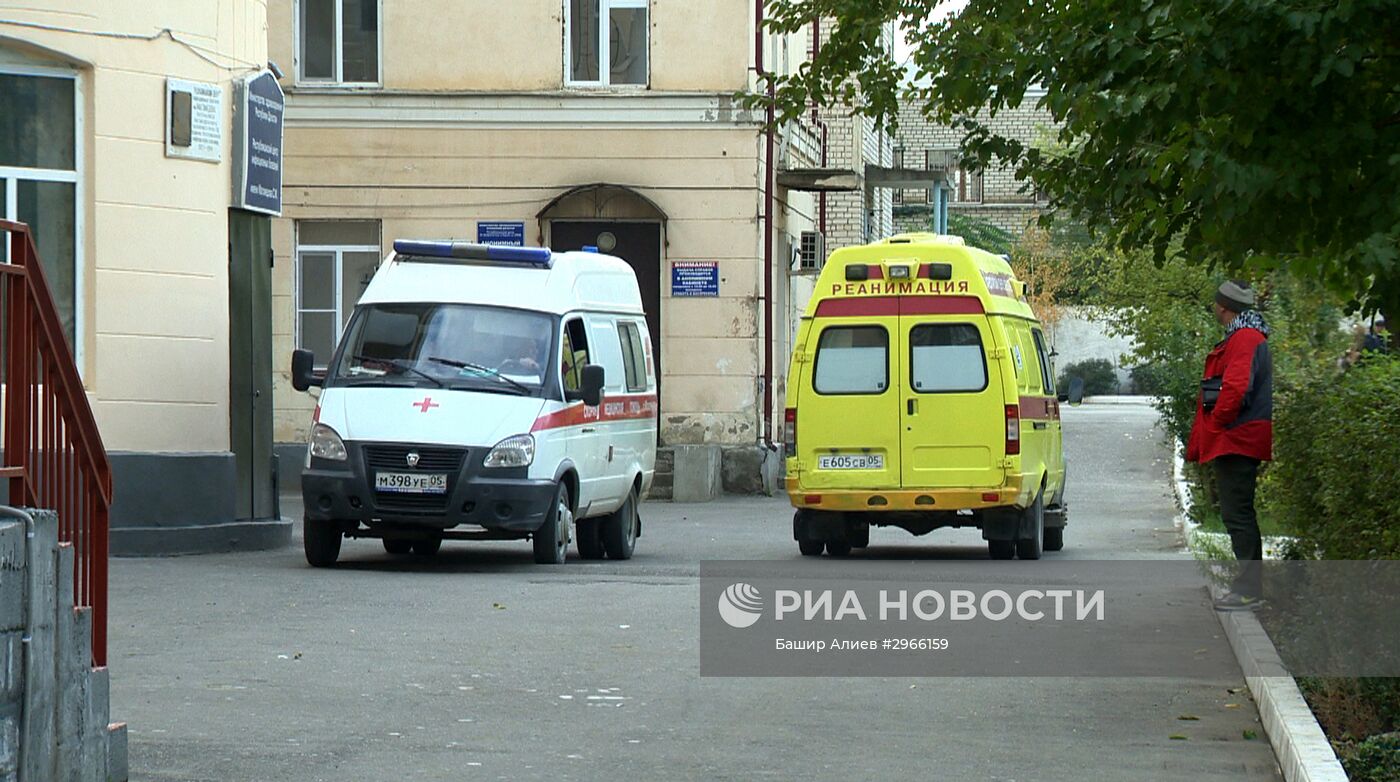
x=615, y=408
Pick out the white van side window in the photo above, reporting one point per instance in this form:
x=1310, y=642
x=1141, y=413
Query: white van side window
x=946, y=357
x=633, y=360
x=852, y=360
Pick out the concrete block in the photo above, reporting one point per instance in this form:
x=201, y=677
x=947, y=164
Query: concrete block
x=9, y=744
x=37, y=741
x=117, y=758
x=74, y=672
x=752, y=469
x=11, y=667
x=95, y=722
x=697, y=476
x=13, y=558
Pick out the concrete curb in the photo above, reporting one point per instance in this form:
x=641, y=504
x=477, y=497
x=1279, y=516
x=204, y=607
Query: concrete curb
x=1118, y=399
x=1303, y=751
x=1304, y=754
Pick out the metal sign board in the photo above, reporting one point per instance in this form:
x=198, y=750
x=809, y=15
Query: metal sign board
x=194, y=120
x=694, y=278
x=504, y=233
x=257, y=150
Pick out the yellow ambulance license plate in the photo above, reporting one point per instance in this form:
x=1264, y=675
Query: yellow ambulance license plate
x=411, y=482
x=851, y=461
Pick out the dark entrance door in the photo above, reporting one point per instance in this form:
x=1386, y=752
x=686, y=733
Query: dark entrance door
x=250, y=361
x=637, y=243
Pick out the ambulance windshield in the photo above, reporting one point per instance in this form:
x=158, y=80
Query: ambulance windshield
x=452, y=345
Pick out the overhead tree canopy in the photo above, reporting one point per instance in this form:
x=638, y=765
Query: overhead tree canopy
x=1256, y=133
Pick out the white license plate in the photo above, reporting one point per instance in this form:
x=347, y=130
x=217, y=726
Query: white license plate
x=411, y=482
x=851, y=461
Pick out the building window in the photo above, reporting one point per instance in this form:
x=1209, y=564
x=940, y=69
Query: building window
x=338, y=42
x=39, y=125
x=897, y=195
x=605, y=43
x=335, y=261
x=967, y=187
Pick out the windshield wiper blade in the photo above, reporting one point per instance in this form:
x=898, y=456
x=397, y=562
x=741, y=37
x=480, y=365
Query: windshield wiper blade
x=452, y=362
x=399, y=365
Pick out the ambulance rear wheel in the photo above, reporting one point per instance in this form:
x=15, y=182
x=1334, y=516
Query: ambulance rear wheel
x=1001, y=549
x=838, y=548
x=619, y=529
x=590, y=544
x=321, y=542
x=1054, y=538
x=398, y=546
x=1031, y=547
x=427, y=547
x=551, y=540
x=808, y=545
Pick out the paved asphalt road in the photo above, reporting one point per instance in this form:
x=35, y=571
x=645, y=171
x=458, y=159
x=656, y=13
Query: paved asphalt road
x=255, y=667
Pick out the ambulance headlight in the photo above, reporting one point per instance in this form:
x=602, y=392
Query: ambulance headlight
x=326, y=444
x=899, y=272
x=517, y=451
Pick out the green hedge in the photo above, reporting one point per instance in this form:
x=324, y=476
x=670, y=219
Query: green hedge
x=1336, y=446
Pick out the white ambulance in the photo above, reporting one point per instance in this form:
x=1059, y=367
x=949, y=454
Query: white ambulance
x=484, y=392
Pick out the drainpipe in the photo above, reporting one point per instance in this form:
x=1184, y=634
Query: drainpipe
x=767, y=427
x=817, y=120
x=31, y=610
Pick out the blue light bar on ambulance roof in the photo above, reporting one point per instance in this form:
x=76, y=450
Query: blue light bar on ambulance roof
x=421, y=248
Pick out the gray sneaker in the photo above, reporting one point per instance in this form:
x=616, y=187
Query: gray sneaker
x=1234, y=601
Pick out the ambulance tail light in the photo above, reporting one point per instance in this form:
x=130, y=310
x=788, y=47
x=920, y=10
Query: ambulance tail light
x=1013, y=430
x=790, y=431
x=541, y=257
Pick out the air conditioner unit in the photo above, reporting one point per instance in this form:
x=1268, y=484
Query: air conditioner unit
x=811, y=250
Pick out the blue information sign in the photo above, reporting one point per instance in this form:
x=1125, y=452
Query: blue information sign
x=694, y=278
x=510, y=234
x=258, y=151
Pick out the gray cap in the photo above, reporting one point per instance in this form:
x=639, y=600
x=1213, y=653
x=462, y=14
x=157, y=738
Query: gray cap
x=1235, y=296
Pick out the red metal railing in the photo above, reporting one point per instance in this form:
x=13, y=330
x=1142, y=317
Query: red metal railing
x=54, y=457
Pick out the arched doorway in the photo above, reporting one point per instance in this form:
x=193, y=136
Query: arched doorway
x=618, y=221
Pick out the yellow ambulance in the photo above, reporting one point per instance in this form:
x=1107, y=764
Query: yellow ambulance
x=920, y=396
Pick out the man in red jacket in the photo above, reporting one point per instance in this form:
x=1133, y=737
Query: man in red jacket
x=1234, y=431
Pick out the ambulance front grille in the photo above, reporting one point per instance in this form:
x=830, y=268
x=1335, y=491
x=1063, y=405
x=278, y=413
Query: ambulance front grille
x=395, y=458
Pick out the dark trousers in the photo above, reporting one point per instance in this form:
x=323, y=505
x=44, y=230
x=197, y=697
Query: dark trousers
x=1235, y=479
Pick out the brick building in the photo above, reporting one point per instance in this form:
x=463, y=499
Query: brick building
x=993, y=194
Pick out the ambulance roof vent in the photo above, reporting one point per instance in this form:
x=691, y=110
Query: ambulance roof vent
x=424, y=249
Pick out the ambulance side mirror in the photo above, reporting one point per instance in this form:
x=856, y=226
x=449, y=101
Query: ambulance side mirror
x=304, y=375
x=591, y=385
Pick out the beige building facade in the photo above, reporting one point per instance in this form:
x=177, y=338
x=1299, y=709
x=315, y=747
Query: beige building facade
x=561, y=123
x=133, y=227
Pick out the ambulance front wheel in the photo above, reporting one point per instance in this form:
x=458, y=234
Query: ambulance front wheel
x=320, y=541
x=551, y=540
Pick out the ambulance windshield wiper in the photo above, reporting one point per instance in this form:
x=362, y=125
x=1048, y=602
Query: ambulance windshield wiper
x=399, y=365
x=455, y=364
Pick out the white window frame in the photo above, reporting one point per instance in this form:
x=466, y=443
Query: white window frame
x=10, y=176
x=339, y=251
x=604, y=46
x=338, y=56
x=963, y=182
